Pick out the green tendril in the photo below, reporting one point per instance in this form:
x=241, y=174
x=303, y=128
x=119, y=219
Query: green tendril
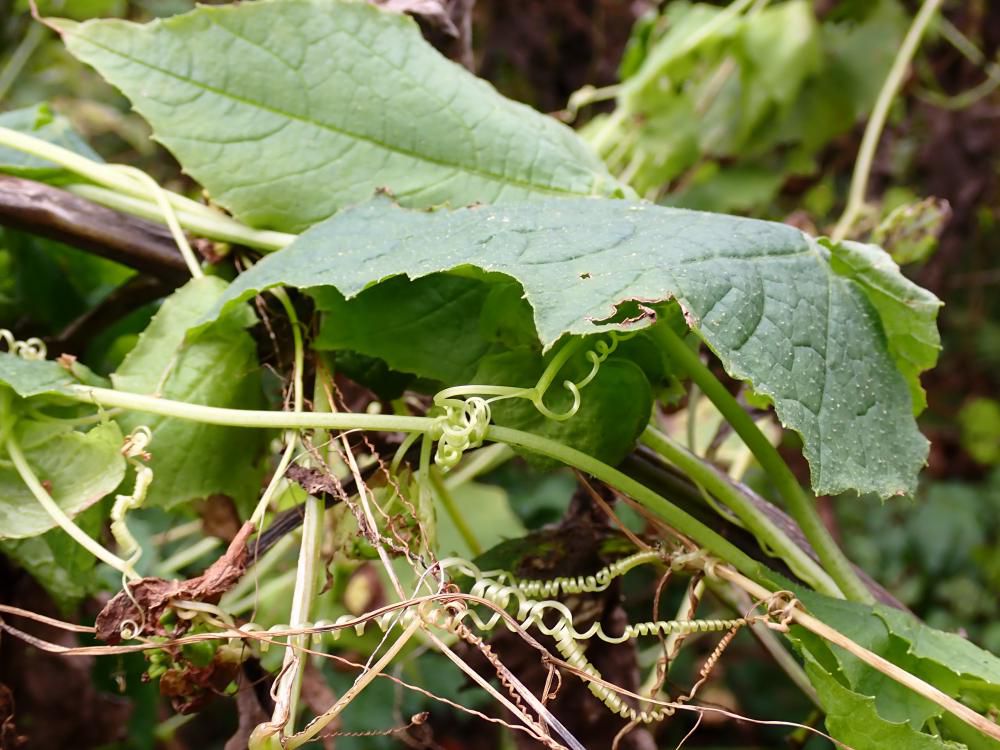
x=466, y=408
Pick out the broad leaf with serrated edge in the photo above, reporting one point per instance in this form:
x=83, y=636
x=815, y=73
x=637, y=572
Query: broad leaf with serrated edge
x=762, y=295
x=193, y=460
x=77, y=468
x=287, y=111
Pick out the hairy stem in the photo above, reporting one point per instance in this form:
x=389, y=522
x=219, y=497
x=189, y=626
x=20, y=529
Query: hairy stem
x=801, y=507
x=876, y=123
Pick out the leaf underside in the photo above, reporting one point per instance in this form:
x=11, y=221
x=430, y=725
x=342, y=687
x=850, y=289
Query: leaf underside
x=763, y=296
x=237, y=92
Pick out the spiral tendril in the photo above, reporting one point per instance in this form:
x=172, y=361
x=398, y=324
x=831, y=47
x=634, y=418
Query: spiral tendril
x=30, y=349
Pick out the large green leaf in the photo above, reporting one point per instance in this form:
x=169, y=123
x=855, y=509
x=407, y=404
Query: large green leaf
x=193, y=460
x=77, y=468
x=287, y=111
x=762, y=295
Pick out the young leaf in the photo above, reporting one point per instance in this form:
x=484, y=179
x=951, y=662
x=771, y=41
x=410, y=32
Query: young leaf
x=77, y=468
x=762, y=295
x=193, y=460
x=342, y=98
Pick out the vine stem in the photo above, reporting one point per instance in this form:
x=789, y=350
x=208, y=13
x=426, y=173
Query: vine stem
x=277, y=420
x=800, y=506
x=667, y=511
x=123, y=192
x=34, y=36
x=876, y=122
x=886, y=667
x=59, y=516
x=451, y=508
x=772, y=537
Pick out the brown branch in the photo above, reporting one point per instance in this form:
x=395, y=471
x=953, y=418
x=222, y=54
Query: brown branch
x=50, y=212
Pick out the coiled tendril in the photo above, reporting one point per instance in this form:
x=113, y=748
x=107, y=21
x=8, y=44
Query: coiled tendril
x=462, y=426
x=31, y=349
x=466, y=413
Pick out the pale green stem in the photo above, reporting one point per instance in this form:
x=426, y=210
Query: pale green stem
x=659, y=506
x=177, y=533
x=34, y=36
x=277, y=420
x=306, y=577
x=289, y=686
x=876, y=122
x=168, y=217
x=801, y=506
x=166, y=729
x=277, y=585
x=451, y=508
x=204, y=224
x=192, y=215
x=57, y=514
x=257, y=517
x=772, y=538
x=740, y=603
x=673, y=515
x=243, y=595
x=186, y=556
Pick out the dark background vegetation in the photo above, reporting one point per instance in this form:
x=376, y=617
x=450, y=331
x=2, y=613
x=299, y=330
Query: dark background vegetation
x=939, y=553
